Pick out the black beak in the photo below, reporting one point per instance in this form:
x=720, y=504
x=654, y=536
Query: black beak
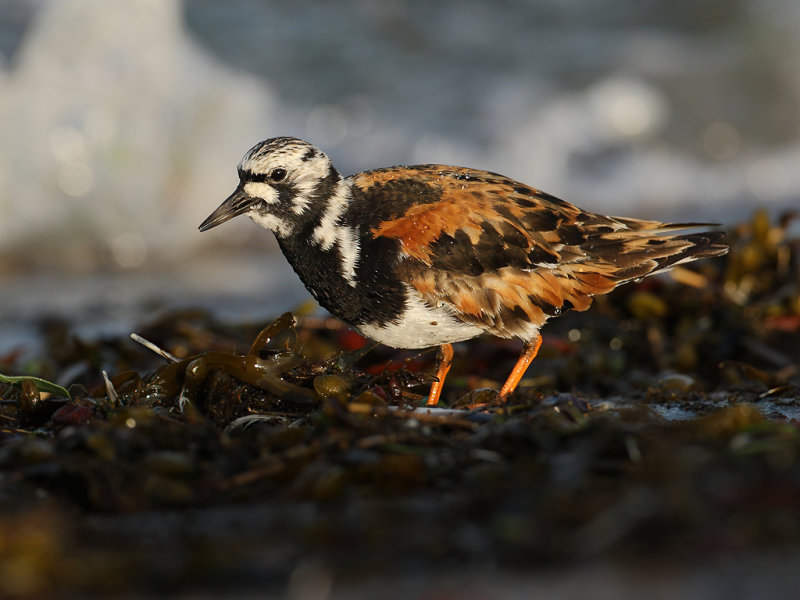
x=236, y=204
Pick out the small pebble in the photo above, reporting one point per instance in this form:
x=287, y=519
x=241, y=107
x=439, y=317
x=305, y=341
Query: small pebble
x=676, y=382
x=332, y=387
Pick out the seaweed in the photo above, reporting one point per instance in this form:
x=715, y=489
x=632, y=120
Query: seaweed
x=220, y=456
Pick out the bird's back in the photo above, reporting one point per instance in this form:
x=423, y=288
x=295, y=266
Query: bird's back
x=506, y=256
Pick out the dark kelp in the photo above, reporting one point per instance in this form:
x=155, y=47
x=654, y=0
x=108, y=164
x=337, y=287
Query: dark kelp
x=668, y=412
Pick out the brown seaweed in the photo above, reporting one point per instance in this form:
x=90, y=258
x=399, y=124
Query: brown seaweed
x=669, y=412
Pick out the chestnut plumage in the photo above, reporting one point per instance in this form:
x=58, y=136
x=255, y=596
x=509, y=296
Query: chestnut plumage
x=425, y=255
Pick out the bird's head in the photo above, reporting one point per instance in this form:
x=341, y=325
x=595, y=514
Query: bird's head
x=281, y=182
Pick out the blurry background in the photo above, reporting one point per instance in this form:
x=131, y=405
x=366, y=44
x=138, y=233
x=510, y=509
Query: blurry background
x=121, y=124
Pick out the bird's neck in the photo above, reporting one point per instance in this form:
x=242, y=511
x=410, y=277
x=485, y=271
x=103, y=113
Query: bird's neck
x=318, y=219
x=347, y=270
x=321, y=248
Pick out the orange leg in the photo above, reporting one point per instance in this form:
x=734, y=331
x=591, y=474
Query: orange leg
x=445, y=360
x=529, y=352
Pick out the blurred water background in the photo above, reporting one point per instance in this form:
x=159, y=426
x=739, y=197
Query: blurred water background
x=122, y=121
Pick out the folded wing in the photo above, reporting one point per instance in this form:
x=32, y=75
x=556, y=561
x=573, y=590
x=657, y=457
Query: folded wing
x=507, y=256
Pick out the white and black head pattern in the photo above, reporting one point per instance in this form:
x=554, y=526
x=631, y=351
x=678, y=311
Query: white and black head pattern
x=286, y=177
x=282, y=182
x=291, y=187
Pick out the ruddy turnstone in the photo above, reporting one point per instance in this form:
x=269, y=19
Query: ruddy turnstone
x=427, y=255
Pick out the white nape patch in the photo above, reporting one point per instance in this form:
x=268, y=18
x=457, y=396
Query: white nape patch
x=271, y=222
x=330, y=231
x=313, y=172
x=421, y=326
x=262, y=191
x=327, y=232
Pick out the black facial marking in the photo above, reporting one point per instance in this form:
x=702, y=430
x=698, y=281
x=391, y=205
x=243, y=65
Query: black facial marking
x=325, y=187
x=249, y=176
x=310, y=153
x=277, y=175
x=287, y=192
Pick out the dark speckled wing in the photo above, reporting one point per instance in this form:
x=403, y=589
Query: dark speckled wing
x=507, y=256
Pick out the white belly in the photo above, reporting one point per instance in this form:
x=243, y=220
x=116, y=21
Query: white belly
x=421, y=326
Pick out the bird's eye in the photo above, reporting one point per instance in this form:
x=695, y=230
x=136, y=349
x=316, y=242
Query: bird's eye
x=277, y=174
